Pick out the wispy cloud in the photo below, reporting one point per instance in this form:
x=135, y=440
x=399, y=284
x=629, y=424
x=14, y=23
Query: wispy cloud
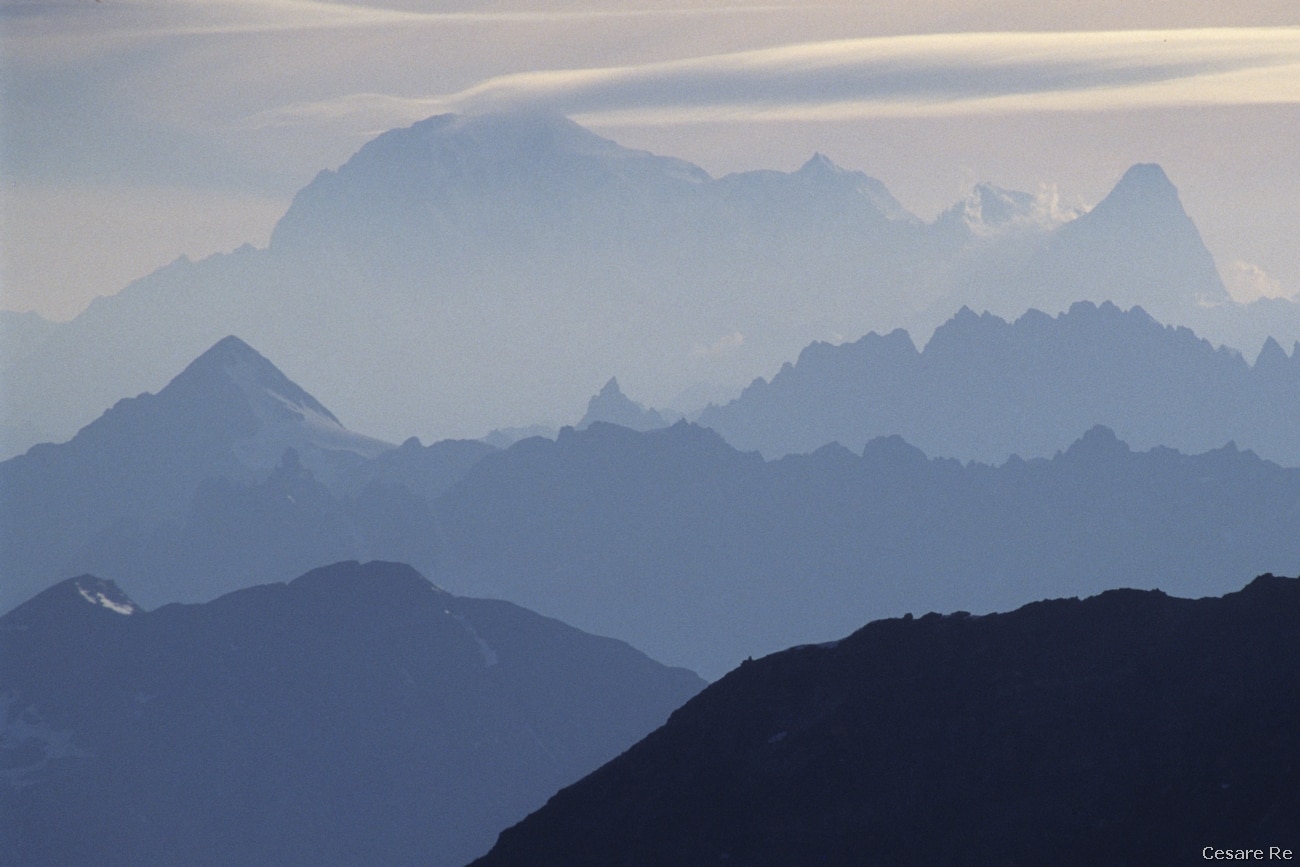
x=1247, y=282
x=919, y=75
x=724, y=345
x=146, y=19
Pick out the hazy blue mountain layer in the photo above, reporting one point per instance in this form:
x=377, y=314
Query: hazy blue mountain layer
x=466, y=274
x=231, y=469
x=672, y=540
x=702, y=555
x=984, y=389
x=357, y=715
x=1129, y=728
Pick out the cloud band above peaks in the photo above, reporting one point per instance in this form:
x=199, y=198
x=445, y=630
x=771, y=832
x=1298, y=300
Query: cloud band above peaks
x=918, y=75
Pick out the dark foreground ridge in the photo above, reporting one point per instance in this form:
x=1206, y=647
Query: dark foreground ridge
x=1128, y=728
x=356, y=715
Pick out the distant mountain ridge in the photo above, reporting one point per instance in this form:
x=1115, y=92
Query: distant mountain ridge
x=671, y=539
x=1131, y=727
x=357, y=714
x=984, y=389
x=475, y=272
x=232, y=472
x=678, y=543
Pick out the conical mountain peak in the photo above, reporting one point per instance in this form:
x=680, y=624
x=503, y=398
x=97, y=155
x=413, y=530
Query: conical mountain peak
x=820, y=163
x=1145, y=190
x=232, y=361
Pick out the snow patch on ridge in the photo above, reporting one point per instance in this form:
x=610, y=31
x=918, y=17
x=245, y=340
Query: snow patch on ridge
x=95, y=597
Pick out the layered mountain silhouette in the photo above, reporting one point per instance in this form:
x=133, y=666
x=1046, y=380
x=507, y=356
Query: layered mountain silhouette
x=1129, y=728
x=357, y=714
x=703, y=555
x=984, y=389
x=229, y=449
x=474, y=272
x=671, y=539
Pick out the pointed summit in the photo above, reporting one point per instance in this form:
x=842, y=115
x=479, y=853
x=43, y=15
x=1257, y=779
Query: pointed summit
x=1144, y=189
x=1136, y=247
x=612, y=406
x=231, y=360
x=819, y=163
x=228, y=408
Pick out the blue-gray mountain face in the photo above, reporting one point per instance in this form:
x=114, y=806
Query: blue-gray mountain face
x=357, y=715
x=231, y=475
x=472, y=273
x=672, y=540
x=1130, y=728
x=984, y=389
x=702, y=555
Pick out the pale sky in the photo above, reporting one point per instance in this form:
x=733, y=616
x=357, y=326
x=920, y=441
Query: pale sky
x=135, y=132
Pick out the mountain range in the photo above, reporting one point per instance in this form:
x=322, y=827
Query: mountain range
x=480, y=272
x=984, y=389
x=1128, y=728
x=357, y=714
x=671, y=539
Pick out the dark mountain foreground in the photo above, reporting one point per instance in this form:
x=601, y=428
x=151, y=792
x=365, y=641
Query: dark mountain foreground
x=356, y=715
x=1128, y=728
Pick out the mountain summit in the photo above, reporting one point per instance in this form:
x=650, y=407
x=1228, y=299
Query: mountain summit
x=229, y=415
x=232, y=386
x=1138, y=246
x=612, y=406
x=473, y=272
x=355, y=715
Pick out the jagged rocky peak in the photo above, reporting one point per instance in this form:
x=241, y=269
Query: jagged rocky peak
x=611, y=405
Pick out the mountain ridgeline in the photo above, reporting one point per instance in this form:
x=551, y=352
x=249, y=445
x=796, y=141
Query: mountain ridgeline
x=985, y=389
x=1129, y=728
x=356, y=715
x=482, y=272
x=672, y=539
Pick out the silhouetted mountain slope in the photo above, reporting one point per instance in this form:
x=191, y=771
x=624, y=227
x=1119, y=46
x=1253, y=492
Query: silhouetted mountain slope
x=501, y=262
x=703, y=555
x=672, y=539
x=356, y=715
x=984, y=389
x=230, y=473
x=1129, y=728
